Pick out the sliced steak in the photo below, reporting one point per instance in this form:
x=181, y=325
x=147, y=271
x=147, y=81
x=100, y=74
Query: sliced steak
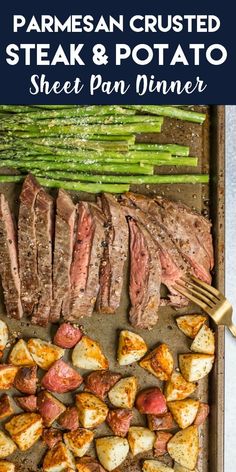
x=114, y=256
x=84, y=275
x=145, y=277
x=8, y=262
x=27, y=245
x=189, y=230
x=191, y=233
x=44, y=235
x=63, y=248
x=173, y=265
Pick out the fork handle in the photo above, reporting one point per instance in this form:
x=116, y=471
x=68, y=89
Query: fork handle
x=232, y=328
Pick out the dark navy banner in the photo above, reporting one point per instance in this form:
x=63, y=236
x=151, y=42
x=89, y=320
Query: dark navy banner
x=147, y=52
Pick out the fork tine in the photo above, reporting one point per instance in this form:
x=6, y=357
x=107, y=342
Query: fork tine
x=209, y=288
x=197, y=294
x=189, y=283
x=188, y=295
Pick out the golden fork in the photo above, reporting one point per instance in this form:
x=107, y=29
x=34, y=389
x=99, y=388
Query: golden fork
x=208, y=298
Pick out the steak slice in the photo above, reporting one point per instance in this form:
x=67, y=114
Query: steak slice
x=63, y=248
x=44, y=234
x=27, y=245
x=190, y=231
x=145, y=277
x=84, y=274
x=8, y=262
x=173, y=265
x=114, y=256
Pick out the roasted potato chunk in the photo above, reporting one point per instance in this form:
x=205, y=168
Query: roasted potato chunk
x=159, y=423
x=78, y=441
x=44, y=353
x=20, y=355
x=156, y=466
x=177, y=388
x=7, y=446
x=204, y=341
x=180, y=468
x=69, y=419
x=119, y=421
x=26, y=380
x=202, y=414
x=51, y=437
x=123, y=394
x=25, y=429
x=6, y=408
x=151, y=401
x=190, y=324
x=58, y=459
x=184, y=411
x=183, y=447
x=7, y=376
x=92, y=411
x=67, y=336
x=195, y=366
x=111, y=451
x=49, y=407
x=160, y=444
x=88, y=354
x=100, y=382
x=6, y=466
x=89, y=464
x=140, y=439
x=3, y=335
x=159, y=362
x=131, y=348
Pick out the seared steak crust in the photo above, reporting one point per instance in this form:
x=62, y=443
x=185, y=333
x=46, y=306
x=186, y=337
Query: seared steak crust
x=63, y=248
x=84, y=274
x=114, y=256
x=145, y=277
x=27, y=245
x=44, y=233
x=8, y=262
x=173, y=265
x=189, y=230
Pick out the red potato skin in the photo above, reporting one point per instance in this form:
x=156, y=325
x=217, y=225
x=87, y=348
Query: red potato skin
x=202, y=414
x=119, y=421
x=69, y=419
x=61, y=378
x=91, y=464
x=67, y=336
x=49, y=408
x=26, y=380
x=51, y=437
x=28, y=403
x=160, y=445
x=100, y=382
x=158, y=423
x=151, y=401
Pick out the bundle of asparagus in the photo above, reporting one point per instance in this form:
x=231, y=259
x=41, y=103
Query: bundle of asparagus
x=91, y=148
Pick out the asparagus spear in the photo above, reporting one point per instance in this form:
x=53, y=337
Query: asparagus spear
x=17, y=121
x=83, y=167
x=44, y=130
x=85, y=156
x=130, y=179
x=57, y=145
x=85, y=187
x=174, y=149
x=125, y=179
x=172, y=112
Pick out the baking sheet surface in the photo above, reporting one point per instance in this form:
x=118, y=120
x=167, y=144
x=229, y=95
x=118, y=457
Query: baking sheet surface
x=105, y=328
